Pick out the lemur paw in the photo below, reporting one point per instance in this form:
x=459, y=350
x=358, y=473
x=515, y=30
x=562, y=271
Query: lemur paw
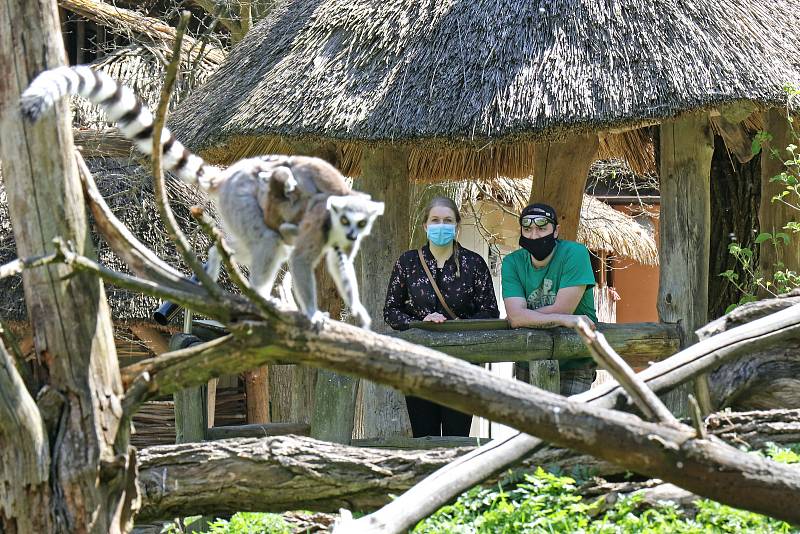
x=318, y=317
x=361, y=315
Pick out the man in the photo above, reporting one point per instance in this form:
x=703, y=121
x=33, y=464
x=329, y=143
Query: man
x=548, y=282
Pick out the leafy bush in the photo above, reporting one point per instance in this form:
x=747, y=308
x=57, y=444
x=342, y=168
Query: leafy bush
x=545, y=502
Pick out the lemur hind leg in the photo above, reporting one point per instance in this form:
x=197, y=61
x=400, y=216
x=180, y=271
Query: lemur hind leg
x=266, y=257
x=340, y=266
x=302, y=262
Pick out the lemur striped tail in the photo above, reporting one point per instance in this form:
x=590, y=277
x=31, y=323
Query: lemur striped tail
x=123, y=107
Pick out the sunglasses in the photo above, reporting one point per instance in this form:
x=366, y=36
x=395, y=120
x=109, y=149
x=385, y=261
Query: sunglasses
x=538, y=220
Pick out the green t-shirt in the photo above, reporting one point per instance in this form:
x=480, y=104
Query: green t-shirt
x=570, y=266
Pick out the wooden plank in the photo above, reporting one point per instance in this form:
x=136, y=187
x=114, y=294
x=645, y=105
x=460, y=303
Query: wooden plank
x=258, y=431
x=427, y=442
x=638, y=343
x=256, y=387
x=686, y=150
x=559, y=178
x=211, y=402
x=330, y=422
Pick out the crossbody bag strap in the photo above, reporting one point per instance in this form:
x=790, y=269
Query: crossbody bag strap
x=435, y=287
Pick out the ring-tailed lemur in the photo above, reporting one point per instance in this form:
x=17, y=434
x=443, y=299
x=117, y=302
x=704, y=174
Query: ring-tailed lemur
x=273, y=208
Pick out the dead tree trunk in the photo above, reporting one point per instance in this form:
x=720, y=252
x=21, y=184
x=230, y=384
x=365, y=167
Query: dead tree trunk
x=88, y=486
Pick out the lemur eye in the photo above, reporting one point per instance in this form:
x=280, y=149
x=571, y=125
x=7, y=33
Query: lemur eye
x=362, y=224
x=344, y=220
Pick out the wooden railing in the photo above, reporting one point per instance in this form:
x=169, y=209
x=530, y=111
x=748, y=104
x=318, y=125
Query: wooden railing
x=482, y=341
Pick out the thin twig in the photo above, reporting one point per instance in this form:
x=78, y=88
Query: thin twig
x=647, y=401
x=20, y=264
x=207, y=226
x=159, y=185
x=197, y=300
x=140, y=259
x=697, y=418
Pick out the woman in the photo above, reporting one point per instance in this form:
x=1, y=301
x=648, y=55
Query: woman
x=465, y=285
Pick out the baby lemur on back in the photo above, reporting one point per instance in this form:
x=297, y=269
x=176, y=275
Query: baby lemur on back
x=273, y=208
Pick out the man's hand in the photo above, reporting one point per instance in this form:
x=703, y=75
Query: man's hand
x=435, y=317
x=571, y=321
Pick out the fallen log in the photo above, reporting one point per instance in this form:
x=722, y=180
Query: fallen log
x=276, y=474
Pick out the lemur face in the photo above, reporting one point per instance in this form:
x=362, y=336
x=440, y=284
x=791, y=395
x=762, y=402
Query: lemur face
x=352, y=217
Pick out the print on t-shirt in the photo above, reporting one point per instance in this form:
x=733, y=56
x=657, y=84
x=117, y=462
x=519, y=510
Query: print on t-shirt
x=542, y=296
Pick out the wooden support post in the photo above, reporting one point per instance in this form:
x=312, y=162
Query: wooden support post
x=384, y=175
x=256, y=387
x=329, y=421
x=559, y=178
x=545, y=375
x=190, y=412
x=686, y=149
x=773, y=216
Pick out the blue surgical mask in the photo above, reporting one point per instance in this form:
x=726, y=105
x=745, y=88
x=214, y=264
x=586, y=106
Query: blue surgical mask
x=441, y=234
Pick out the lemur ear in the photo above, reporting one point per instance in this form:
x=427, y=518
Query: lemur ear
x=377, y=207
x=335, y=203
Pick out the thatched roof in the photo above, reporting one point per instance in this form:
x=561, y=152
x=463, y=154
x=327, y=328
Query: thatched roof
x=600, y=227
x=128, y=190
x=141, y=68
x=472, y=85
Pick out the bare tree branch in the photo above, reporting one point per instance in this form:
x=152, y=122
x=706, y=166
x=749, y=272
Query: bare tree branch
x=226, y=254
x=647, y=401
x=160, y=188
x=610, y=435
x=455, y=478
x=140, y=259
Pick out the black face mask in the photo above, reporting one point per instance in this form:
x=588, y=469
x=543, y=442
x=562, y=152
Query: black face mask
x=539, y=248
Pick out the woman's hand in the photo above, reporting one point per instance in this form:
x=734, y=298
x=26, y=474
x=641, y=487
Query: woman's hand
x=435, y=317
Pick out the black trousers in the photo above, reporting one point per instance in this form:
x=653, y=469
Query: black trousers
x=431, y=419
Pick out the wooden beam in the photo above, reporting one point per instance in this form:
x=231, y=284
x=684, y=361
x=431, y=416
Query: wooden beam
x=638, y=343
x=686, y=149
x=559, y=178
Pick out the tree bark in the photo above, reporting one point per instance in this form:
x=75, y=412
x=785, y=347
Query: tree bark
x=24, y=455
x=92, y=473
x=735, y=194
x=276, y=474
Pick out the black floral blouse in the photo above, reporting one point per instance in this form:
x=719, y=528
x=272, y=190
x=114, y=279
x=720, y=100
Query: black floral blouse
x=410, y=295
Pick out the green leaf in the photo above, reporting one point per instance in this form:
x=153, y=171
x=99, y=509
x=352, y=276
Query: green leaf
x=763, y=236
